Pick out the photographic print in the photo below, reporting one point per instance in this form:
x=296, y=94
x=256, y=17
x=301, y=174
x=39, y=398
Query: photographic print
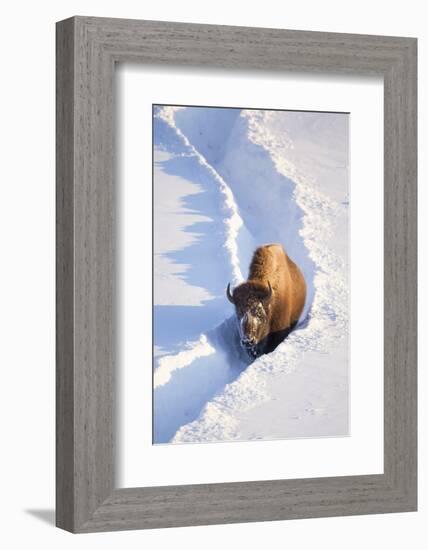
x=250, y=274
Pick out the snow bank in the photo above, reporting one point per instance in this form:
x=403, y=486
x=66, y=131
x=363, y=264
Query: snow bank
x=168, y=364
x=232, y=219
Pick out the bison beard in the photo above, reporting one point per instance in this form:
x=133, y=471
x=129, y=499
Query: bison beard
x=269, y=304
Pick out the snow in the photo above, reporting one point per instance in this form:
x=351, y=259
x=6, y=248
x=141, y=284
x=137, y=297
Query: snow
x=226, y=181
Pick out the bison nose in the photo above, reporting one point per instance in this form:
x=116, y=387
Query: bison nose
x=249, y=341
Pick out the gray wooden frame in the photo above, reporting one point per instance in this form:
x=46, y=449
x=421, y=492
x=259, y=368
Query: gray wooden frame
x=87, y=50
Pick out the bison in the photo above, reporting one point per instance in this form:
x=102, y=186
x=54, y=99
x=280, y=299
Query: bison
x=269, y=304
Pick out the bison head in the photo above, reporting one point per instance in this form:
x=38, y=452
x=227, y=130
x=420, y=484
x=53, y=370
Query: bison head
x=251, y=300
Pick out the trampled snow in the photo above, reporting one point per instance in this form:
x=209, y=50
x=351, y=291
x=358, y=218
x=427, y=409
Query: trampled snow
x=226, y=181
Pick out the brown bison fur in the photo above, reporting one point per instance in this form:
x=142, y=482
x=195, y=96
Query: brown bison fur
x=269, y=304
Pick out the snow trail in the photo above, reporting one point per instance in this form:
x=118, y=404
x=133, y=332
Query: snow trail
x=253, y=148
x=320, y=212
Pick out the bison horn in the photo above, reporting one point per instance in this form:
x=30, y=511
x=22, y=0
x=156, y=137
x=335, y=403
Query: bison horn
x=229, y=294
x=269, y=292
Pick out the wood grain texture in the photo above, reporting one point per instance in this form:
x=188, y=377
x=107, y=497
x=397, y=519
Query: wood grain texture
x=87, y=49
x=64, y=277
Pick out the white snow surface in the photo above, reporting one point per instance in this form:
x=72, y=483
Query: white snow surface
x=226, y=181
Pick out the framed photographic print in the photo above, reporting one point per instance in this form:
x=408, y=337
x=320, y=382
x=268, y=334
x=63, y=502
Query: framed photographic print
x=236, y=274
